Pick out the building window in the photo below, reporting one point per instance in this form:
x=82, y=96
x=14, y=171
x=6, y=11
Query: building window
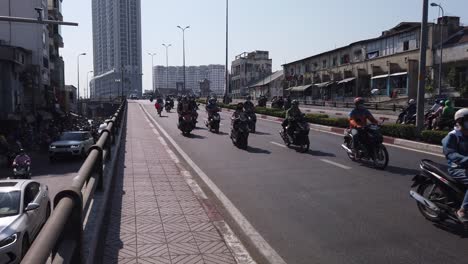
x=335, y=59
x=344, y=59
x=324, y=64
x=406, y=45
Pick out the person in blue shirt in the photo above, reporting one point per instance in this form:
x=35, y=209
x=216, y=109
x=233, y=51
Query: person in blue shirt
x=456, y=151
x=358, y=118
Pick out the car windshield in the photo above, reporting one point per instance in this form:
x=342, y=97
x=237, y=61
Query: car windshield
x=71, y=136
x=9, y=203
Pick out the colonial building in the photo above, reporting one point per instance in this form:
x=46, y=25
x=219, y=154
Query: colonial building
x=386, y=65
x=248, y=68
x=269, y=86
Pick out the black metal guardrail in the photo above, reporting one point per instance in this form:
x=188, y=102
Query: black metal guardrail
x=62, y=235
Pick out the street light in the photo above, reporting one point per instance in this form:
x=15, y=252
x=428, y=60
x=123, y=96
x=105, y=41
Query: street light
x=87, y=84
x=78, y=69
x=167, y=64
x=226, y=73
x=183, y=48
x=441, y=46
x=152, y=70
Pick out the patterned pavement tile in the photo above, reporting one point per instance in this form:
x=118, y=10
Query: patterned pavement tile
x=193, y=210
x=170, y=210
x=168, y=204
x=207, y=236
x=154, y=260
x=180, y=237
x=163, y=193
x=176, y=227
x=214, y=247
x=176, y=249
x=196, y=218
x=201, y=227
x=113, y=260
x=147, y=211
x=149, y=228
x=219, y=259
x=187, y=259
x=148, y=219
x=194, y=203
x=152, y=250
x=150, y=238
x=173, y=218
x=149, y=205
x=118, y=239
x=143, y=189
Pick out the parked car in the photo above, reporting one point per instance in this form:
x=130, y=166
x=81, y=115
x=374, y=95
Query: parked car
x=76, y=143
x=24, y=209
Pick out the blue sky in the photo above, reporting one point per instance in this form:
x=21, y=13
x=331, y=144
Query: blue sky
x=290, y=29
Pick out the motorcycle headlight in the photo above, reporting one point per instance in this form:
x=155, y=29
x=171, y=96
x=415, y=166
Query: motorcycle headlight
x=74, y=146
x=9, y=240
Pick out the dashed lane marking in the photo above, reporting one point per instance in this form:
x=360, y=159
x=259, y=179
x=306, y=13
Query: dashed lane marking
x=336, y=164
x=278, y=144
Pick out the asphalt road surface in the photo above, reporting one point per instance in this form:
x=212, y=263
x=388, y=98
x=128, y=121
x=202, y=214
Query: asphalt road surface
x=320, y=207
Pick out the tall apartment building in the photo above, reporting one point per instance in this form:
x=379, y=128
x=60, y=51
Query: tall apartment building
x=117, y=48
x=24, y=60
x=166, y=79
x=248, y=68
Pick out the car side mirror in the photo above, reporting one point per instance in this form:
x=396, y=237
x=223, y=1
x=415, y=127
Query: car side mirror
x=31, y=207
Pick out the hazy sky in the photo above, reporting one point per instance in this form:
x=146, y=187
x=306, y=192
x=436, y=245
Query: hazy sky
x=290, y=29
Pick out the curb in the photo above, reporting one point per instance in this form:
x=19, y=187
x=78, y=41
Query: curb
x=99, y=220
x=389, y=140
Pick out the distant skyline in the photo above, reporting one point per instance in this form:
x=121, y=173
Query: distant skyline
x=288, y=30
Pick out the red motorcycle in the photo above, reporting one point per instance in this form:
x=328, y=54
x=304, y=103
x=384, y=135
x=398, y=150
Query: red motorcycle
x=159, y=108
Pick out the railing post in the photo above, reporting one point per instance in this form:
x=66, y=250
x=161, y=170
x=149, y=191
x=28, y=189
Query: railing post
x=73, y=229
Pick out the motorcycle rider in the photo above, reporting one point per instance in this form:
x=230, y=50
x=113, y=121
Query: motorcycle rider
x=159, y=102
x=22, y=159
x=410, y=110
x=358, y=120
x=169, y=101
x=237, y=112
x=248, y=105
x=455, y=146
x=211, y=107
x=292, y=114
x=287, y=103
x=194, y=107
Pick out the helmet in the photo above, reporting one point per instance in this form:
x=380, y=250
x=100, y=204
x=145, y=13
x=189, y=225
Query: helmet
x=448, y=103
x=295, y=103
x=21, y=151
x=358, y=101
x=249, y=97
x=461, y=114
x=411, y=101
x=240, y=106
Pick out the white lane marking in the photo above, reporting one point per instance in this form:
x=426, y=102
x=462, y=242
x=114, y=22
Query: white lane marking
x=416, y=150
x=278, y=144
x=262, y=245
x=336, y=164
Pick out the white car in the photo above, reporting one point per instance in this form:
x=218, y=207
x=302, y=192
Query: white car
x=76, y=143
x=24, y=209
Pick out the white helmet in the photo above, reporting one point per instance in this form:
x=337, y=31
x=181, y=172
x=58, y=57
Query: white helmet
x=461, y=114
x=411, y=101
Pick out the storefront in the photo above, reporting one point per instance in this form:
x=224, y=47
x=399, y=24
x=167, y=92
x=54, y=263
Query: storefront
x=391, y=84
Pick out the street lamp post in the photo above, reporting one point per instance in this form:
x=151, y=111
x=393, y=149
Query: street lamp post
x=167, y=63
x=87, y=84
x=183, y=48
x=152, y=71
x=441, y=46
x=78, y=69
x=226, y=73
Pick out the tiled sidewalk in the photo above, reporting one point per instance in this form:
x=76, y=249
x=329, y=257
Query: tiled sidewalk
x=155, y=215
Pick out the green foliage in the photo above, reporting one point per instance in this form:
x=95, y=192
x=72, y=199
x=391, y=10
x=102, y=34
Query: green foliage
x=452, y=77
x=433, y=136
x=399, y=131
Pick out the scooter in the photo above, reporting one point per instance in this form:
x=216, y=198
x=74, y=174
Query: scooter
x=22, y=170
x=240, y=131
x=300, y=136
x=437, y=194
x=213, y=122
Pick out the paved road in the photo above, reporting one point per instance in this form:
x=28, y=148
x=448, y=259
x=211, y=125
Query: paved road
x=320, y=207
x=57, y=175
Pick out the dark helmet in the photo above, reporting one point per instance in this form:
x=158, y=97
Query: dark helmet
x=240, y=106
x=249, y=97
x=358, y=101
x=295, y=103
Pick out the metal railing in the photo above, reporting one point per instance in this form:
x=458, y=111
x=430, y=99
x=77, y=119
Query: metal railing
x=62, y=235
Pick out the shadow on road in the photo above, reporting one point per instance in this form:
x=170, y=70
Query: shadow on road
x=196, y=136
x=401, y=171
x=261, y=133
x=258, y=150
x=319, y=153
x=452, y=227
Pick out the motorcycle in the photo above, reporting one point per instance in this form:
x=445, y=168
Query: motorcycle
x=213, y=122
x=167, y=107
x=186, y=124
x=252, y=120
x=22, y=170
x=159, y=108
x=402, y=119
x=372, y=150
x=437, y=194
x=300, y=136
x=240, y=131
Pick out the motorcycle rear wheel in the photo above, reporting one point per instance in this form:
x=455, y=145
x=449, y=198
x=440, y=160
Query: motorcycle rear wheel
x=305, y=147
x=427, y=190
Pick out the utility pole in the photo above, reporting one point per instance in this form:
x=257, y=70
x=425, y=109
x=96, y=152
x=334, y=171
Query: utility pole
x=226, y=77
x=422, y=69
x=167, y=64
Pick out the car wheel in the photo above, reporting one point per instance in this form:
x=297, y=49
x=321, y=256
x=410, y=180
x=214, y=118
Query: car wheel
x=24, y=246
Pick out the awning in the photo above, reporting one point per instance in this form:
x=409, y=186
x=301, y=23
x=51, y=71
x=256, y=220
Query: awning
x=347, y=80
x=379, y=76
x=398, y=74
x=300, y=88
x=324, y=84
